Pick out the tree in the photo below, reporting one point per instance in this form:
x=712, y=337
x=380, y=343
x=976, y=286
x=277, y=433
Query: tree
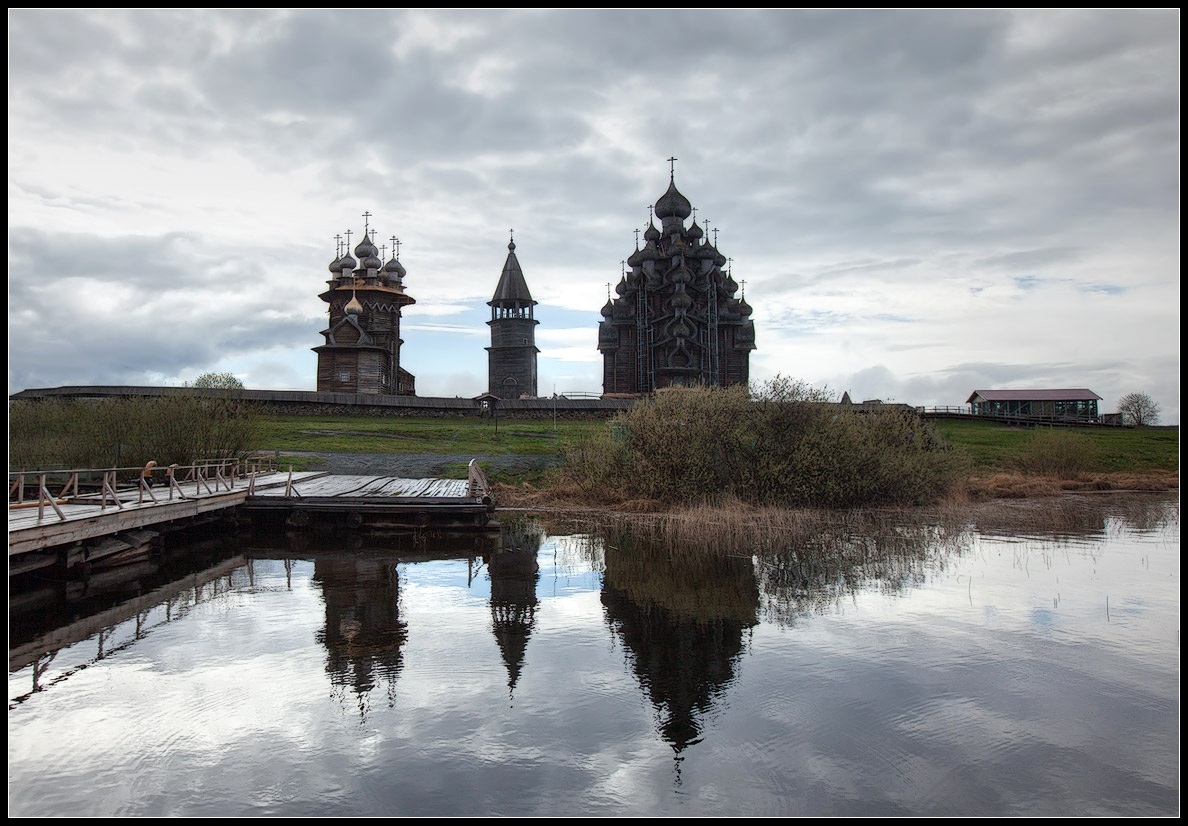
x=218, y=381
x=1138, y=409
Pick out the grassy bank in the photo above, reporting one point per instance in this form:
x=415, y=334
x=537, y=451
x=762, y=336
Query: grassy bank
x=999, y=461
x=356, y=434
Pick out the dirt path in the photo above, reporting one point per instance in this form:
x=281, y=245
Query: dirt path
x=416, y=465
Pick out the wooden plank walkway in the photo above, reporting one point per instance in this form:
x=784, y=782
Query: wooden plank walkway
x=372, y=487
x=36, y=525
x=380, y=501
x=121, y=519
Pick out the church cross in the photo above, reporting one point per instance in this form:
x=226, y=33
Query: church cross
x=396, y=246
x=348, y=236
x=394, y=252
x=715, y=236
x=671, y=167
x=637, y=239
x=608, y=291
x=338, y=245
x=366, y=217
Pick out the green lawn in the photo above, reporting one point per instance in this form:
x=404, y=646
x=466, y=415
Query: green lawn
x=990, y=446
x=360, y=434
x=993, y=446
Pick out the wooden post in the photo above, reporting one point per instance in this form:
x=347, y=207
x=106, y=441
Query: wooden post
x=43, y=496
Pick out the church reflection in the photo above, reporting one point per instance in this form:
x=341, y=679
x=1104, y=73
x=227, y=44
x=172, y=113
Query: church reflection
x=514, y=572
x=363, y=634
x=682, y=617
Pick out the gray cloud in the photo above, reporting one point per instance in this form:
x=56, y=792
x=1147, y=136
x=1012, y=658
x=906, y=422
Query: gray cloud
x=863, y=168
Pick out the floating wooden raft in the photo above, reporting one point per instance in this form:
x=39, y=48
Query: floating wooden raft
x=379, y=501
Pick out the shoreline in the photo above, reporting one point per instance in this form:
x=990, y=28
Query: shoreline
x=998, y=486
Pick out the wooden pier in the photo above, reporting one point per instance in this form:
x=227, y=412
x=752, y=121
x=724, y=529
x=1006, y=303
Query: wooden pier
x=379, y=502
x=70, y=518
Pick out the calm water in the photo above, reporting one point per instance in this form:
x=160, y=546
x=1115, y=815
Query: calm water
x=1018, y=663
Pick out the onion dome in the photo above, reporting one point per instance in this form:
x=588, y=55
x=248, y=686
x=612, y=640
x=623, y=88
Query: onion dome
x=336, y=266
x=695, y=232
x=607, y=309
x=651, y=233
x=353, y=306
x=368, y=254
x=743, y=307
x=636, y=258
x=395, y=269
x=365, y=248
x=621, y=287
x=673, y=204
x=346, y=262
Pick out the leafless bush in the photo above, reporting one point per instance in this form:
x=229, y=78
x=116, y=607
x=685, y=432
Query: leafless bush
x=786, y=445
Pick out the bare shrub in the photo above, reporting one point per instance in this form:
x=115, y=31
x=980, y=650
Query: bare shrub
x=786, y=446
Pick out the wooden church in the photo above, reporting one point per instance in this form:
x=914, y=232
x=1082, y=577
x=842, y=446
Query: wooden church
x=676, y=320
x=511, y=358
x=361, y=351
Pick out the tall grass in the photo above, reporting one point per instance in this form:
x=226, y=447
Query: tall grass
x=1058, y=452
x=785, y=446
x=127, y=432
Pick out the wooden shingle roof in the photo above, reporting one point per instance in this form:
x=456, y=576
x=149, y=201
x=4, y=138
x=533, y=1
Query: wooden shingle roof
x=1079, y=394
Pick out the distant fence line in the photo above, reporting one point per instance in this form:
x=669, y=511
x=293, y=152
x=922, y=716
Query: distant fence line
x=311, y=403
x=575, y=405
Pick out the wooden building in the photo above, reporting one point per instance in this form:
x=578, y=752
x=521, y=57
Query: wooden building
x=1076, y=404
x=678, y=318
x=361, y=353
x=511, y=358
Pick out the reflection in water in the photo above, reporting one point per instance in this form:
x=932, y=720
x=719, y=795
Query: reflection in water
x=358, y=575
x=514, y=571
x=841, y=670
x=1085, y=516
x=109, y=618
x=363, y=632
x=682, y=617
x=810, y=575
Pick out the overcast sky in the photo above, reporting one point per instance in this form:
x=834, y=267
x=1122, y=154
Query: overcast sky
x=920, y=203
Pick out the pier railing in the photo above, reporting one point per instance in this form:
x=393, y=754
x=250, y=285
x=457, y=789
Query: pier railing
x=1112, y=420
x=476, y=483
x=110, y=487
